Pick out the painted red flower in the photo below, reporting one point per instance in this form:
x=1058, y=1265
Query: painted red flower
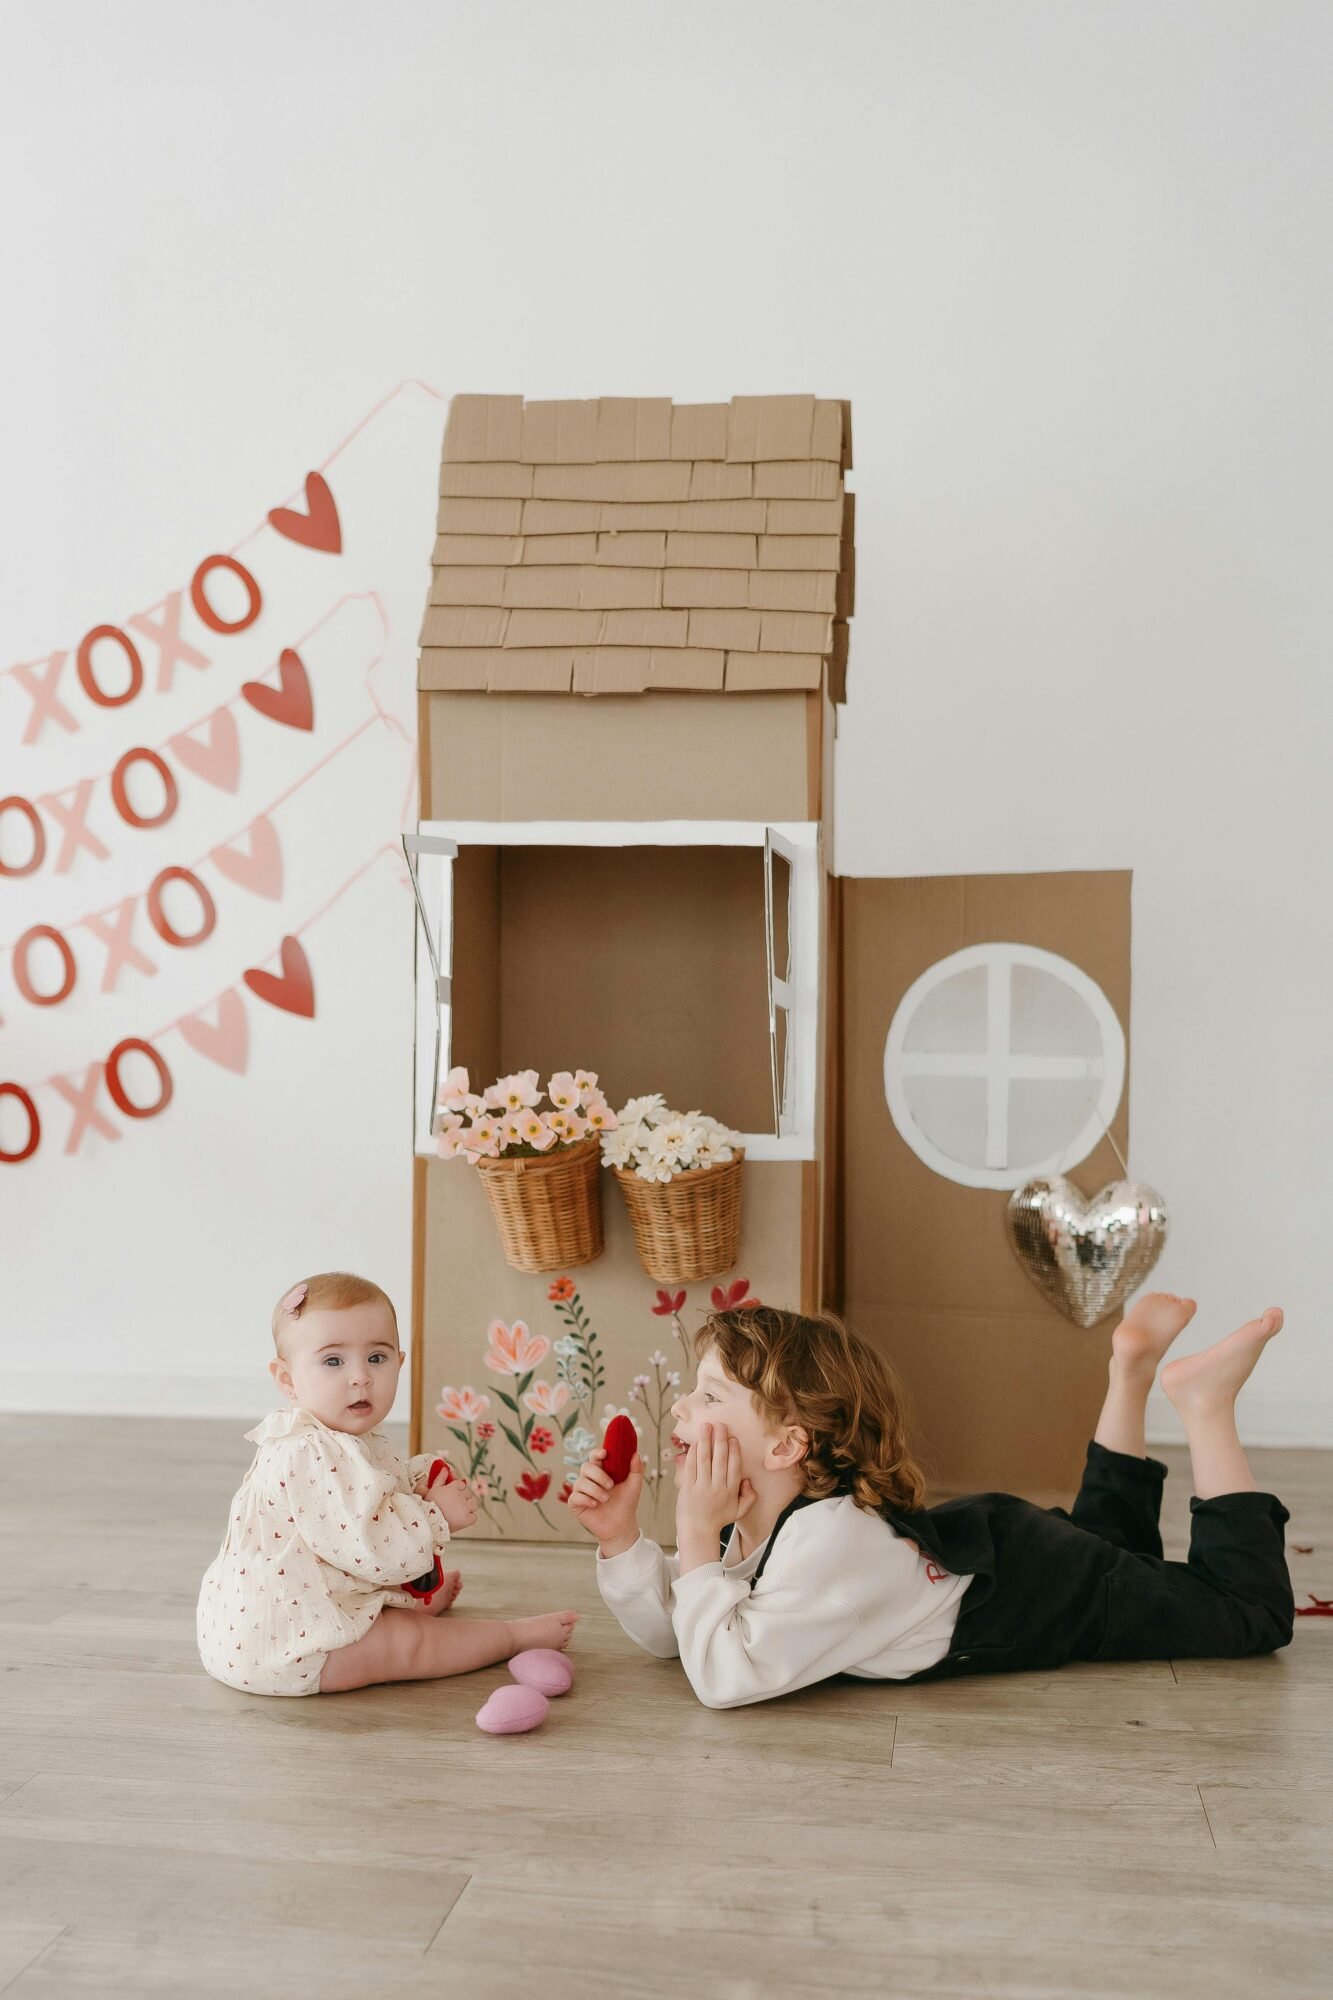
x=561, y=1292
x=530, y=1488
x=485, y=1430
x=733, y=1298
x=564, y=1493
x=668, y=1303
x=542, y=1439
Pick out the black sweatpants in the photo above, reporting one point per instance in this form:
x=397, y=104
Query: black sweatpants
x=1092, y=1584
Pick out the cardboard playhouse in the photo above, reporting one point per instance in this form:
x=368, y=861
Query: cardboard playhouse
x=632, y=664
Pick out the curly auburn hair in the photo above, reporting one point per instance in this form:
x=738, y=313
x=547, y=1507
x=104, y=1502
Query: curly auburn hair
x=820, y=1375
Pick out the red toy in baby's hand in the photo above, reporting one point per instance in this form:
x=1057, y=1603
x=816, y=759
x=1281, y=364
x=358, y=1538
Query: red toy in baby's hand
x=438, y=1466
x=620, y=1444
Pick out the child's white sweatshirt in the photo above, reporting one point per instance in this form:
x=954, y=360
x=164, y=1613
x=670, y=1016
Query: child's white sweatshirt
x=841, y=1593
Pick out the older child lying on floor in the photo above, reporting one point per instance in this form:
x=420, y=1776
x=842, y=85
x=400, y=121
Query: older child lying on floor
x=792, y=1439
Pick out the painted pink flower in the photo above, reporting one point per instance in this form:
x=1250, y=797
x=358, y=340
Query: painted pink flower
x=513, y=1350
x=486, y=1430
x=669, y=1303
x=461, y=1406
x=563, y=1091
x=733, y=1298
x=480, y=1488
x=547, y=1399
x=515, y=1093
x=533, y=1487
x=561, y=1292
x=541, y=1439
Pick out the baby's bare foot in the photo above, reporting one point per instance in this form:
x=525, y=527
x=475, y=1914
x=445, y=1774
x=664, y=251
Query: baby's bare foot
x=448, y=1591
x=555, y=1631
x=1147, y=1330
x=1212, y=1379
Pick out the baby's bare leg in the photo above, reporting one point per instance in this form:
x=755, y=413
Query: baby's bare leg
x=403, y=1646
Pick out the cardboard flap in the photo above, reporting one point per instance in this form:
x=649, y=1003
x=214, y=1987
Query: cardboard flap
x=630, y=427
x=773, y=670
x=482, y=427
x=763, y=427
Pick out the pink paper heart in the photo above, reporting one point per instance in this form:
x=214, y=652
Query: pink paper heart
x=225, y=1042
x=291, y=702
x=217, y=760
x=319, y=527
x=259, y=871
x=293, y=990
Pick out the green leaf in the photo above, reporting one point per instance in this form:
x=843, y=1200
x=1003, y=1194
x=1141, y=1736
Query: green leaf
x=508, y=1401
x=516, y=1442
x=462, y=1436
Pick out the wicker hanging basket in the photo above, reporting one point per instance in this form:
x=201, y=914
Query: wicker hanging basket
x=548, y=1207
x=688, y=1227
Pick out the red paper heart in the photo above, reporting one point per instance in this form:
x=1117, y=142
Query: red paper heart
x=319, y=527
x=294, y=989
x=621, y=1442
x=259, y=871
x=290, y=703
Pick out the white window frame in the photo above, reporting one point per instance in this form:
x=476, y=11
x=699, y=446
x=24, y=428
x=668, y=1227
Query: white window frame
x=432, y=850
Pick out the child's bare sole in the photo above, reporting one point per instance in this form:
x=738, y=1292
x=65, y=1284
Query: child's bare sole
x=1212, y=1379
x=448, y=1591
x=553, y=1630
x=1147, y=1330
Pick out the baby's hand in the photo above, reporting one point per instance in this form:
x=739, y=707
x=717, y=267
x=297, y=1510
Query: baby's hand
x=607, y=1511
x=457, y=1502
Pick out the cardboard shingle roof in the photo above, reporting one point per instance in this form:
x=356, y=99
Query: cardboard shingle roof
x=624, y=543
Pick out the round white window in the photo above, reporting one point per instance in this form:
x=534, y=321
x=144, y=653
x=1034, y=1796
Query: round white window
x=1002, y=1063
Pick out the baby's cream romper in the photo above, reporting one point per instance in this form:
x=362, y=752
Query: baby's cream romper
x=323, y=1530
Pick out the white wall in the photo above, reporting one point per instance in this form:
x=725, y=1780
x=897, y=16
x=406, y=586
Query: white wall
x=1070, y=264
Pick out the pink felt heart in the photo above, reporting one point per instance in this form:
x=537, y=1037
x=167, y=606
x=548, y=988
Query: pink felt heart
x=225, y=1043
x=541, y=1668
x=217, y=760
x=259, y=871
x=511, y=1710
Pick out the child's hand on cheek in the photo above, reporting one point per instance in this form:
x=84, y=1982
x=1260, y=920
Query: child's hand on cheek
x=711, y=1491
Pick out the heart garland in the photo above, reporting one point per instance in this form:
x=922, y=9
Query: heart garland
x=1086, y=1256
x=291, y=702
x=293, y=990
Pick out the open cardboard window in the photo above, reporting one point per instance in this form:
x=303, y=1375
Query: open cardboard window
x=679, y=957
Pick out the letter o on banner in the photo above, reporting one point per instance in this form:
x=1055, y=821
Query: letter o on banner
x=204, y=610
x=25, y=806
x=157, y=916
x=120, y=798
x=34, y=1125
x=117, y=1088
x=23, y=978
x=84, y=663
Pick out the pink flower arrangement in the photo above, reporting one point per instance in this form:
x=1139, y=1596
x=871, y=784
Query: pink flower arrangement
x=506, y=1120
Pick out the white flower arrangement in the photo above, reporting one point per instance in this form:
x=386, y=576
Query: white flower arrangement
x=657, y=1143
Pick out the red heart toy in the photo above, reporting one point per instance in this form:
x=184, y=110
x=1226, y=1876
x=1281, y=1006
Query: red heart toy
x=438, y=1466
x=620, y=1443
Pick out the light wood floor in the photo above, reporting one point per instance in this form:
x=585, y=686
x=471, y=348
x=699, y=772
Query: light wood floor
x=1117, y=1831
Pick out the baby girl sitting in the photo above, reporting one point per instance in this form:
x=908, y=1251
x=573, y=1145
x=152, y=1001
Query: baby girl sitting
x=329, y=1576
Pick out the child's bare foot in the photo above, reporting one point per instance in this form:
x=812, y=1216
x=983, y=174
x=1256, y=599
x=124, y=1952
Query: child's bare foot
x=447, y=1592
x=1147, y=1330
x=1212, y=1379
x=554, y=1630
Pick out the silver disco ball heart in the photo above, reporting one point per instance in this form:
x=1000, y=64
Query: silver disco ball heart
x=1086, y=1256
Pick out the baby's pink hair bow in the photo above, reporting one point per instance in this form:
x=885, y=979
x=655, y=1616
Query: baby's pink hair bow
x=294, y=1300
